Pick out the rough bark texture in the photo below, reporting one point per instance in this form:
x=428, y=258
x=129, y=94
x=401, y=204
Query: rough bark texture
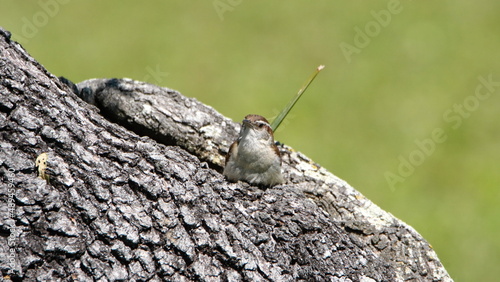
x=119, y=206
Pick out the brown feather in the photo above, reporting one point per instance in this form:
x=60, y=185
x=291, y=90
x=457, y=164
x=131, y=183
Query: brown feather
x=231, y=148
x=255, y=118
x=277, y=150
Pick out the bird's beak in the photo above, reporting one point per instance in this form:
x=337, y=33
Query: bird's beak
x=246, y=122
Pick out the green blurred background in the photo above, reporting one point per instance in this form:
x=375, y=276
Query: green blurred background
x=388, y=84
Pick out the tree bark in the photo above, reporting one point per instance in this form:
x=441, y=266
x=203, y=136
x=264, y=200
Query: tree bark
x=118, y=206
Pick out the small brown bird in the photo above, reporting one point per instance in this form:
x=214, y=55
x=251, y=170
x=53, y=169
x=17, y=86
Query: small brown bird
x=254, y=157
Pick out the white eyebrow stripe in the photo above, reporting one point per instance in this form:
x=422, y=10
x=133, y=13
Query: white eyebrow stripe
x=263, y=122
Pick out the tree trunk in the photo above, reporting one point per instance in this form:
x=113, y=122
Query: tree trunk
x=118, y=206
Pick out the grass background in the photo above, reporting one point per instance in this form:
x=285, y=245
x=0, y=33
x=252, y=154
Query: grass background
x=363, y=113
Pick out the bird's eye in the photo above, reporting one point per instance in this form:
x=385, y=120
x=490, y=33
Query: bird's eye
x=261, y=125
